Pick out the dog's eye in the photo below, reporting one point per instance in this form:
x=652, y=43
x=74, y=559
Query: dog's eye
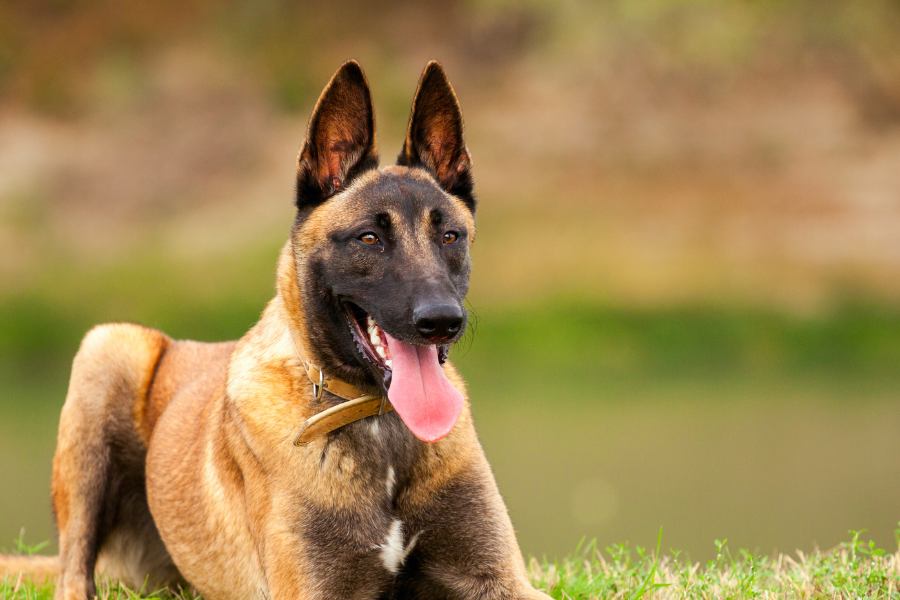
x=369, y=238
x=450, y=237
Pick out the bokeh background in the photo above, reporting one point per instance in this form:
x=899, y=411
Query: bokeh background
x=687, y=270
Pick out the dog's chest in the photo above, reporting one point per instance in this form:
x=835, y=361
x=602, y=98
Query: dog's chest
x=367, y=468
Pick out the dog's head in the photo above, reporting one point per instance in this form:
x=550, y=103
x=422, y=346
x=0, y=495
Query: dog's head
x=382, y=255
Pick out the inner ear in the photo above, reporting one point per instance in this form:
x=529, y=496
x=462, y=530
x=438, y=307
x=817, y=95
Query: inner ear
x=434, y=138
x=340, y=141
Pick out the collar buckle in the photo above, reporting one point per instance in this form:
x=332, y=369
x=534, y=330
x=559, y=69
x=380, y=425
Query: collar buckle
x=319, y=388
x=358, y=405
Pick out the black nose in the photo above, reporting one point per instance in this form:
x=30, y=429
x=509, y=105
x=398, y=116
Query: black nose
x=438, y=321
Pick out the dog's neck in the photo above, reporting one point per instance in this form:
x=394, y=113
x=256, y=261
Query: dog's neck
x=358, y=404
x=281, y=332
x=289, y=293
x=288, y=290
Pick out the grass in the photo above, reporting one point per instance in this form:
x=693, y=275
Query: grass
x=107, y=590
x=854, y=569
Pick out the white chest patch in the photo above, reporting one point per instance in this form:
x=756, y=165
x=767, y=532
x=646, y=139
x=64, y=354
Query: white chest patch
x=393, y=552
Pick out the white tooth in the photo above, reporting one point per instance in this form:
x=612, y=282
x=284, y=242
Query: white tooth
x=376, y=340
x=389, y=363
x=381, y=352
x=370, y=322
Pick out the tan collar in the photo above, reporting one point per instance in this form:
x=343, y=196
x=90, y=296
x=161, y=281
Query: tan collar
x=358, y=405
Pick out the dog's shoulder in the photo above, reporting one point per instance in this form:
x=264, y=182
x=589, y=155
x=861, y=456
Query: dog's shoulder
x=150, y=367
x=186, y=366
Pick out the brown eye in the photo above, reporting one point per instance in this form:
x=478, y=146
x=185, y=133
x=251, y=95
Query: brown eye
x=369, y=238
x=450, y=237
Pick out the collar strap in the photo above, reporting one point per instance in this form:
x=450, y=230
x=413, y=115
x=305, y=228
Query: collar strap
x=358, y=405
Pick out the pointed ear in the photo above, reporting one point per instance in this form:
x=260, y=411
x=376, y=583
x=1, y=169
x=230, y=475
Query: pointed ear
x=434, y=139
x=340, y=141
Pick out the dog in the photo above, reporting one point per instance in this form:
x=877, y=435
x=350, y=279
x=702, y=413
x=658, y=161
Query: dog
x=330, y=452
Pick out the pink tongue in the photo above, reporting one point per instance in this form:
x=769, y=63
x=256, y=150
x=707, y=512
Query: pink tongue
x=420, y=392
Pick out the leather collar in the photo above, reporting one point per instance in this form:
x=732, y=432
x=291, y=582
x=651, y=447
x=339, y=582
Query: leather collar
x=358, y=405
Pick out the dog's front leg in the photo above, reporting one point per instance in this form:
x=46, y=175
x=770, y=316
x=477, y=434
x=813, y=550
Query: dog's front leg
x=308, y=551
x=271, y=517
x=298, y=568
x=465, y=546
x=285, y=574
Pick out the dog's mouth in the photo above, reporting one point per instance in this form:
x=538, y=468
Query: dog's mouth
x=372, y=342
x=411, y=374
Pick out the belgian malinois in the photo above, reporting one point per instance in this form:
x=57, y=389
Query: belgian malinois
x=330, y=452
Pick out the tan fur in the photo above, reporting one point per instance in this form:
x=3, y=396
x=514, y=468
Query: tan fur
x=174, y=461
x=249, y=431
x=37, y=569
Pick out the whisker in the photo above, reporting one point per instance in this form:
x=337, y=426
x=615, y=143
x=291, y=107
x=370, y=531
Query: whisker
x=468, y=337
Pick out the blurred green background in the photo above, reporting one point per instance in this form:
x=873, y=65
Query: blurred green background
x=687, y=270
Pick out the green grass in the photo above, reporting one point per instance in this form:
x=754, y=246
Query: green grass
x=107, y=590
x=855, y=569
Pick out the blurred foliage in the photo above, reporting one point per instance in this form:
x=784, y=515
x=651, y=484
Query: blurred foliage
x=50, y=47
x=43, y=323
x=856, y=339
x=51, y=50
